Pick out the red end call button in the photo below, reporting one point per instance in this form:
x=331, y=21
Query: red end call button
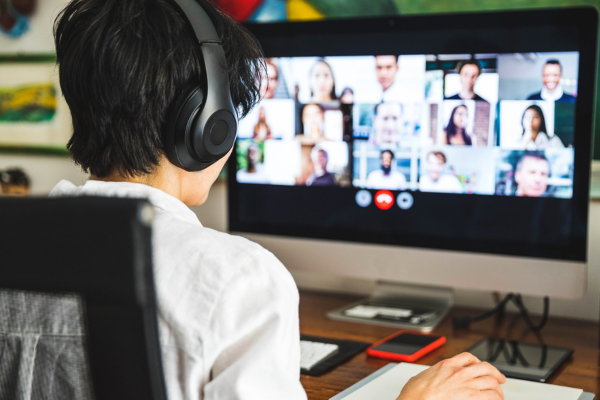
x=384, y=199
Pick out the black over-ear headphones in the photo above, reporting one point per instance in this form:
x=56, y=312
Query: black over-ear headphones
x=202, y=124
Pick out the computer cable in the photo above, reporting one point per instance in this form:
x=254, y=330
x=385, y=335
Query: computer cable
x=464, y=321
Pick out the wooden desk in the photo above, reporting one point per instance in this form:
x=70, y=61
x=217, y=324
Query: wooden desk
x=581, y=371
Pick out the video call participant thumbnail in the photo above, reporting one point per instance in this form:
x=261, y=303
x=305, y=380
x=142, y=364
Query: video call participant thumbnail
x=322, y=83
x=531, y=175
x=347, y=96
x=552, y=89
x=456, y=130
x=313, y=120
x=270, y=80
x=386, y=177
x=272, y=84
x=387, y=124
x=386, y=68
x=254, y=171
x=320, y=176
x=469, y=71
x=436, y=180
x=261, y=130
x=535, y=134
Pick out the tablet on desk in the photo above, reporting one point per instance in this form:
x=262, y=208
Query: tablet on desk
x=532, y=362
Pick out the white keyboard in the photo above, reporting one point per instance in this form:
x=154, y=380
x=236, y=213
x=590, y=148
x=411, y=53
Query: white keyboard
x=312, y=353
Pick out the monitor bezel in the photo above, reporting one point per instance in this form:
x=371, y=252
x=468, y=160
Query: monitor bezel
x=532, y=30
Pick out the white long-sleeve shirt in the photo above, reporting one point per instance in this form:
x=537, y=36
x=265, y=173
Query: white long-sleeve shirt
x=541, y=142
x=227, y=308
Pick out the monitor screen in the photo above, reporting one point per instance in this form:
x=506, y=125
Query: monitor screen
x=453, y=150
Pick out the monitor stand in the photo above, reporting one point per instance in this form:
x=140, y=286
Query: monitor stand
x=402, y=306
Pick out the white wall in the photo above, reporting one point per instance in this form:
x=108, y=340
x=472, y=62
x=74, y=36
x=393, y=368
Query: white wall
x=44, y=171
x=38, y=40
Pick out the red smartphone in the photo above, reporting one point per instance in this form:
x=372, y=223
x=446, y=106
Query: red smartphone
x=406, y=346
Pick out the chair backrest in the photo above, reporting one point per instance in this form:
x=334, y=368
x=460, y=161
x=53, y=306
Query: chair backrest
x=100, y=250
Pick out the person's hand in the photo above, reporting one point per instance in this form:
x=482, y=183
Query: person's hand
x=458, y=378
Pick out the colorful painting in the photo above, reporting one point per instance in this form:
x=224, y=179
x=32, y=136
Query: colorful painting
x=33, y=113
x=302, y=10
x=29, y=103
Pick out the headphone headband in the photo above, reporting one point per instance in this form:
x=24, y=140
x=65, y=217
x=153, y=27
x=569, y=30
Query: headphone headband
x=203, y=27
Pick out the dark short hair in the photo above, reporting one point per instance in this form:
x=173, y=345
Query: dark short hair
x=14, y=177
x=461, y=64
x=387, y=151
x=397, y=56
x=554, y=61
x=531, y=154
x=121, y=65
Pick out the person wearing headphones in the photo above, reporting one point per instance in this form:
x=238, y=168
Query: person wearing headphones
x=135, y=75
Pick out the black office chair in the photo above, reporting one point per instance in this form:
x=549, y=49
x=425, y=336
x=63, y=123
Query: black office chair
x=78, y=261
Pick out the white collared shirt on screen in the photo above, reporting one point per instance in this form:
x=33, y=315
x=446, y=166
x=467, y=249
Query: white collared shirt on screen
x=260, y=176
x=444, y=184
x=541, y=142
x=393, y=93
x=393, y=181
x=227, y=308
x=551, y=95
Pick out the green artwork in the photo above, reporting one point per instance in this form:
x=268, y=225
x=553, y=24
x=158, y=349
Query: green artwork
x=361, y=8
x=437, y=6
x=28, y=103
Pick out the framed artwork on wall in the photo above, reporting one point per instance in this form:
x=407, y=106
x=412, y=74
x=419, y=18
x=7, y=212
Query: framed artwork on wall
x=34, y=116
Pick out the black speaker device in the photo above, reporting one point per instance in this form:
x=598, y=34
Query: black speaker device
x=202, y=125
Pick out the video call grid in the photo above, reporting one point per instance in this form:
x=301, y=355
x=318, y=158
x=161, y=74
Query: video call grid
x=492, y=124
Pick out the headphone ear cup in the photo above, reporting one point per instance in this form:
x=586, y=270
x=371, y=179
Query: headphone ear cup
x=213, y=134
x=194, y=139
x=176, y=140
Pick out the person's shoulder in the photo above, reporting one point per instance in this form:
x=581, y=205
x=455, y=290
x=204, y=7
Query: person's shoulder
x=455, y=97
x=535, y=96
x=555, y=142
x=375, y=174
x=567, y=98
x=424, y=182
x=196, y=253
x=329, y=177
x=450, y=179
x=197, y=268
x=399, y=175
x=179, y=238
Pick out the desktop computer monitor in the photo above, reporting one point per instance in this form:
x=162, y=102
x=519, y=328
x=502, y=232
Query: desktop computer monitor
x=449, y=150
